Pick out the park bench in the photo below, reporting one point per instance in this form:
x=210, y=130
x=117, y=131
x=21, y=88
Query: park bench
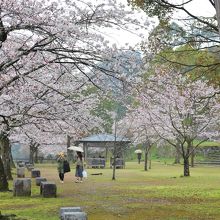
x=95, y=162
x=119, y=163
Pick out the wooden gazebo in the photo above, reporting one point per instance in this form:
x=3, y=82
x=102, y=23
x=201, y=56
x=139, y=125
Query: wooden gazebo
x=106, y=141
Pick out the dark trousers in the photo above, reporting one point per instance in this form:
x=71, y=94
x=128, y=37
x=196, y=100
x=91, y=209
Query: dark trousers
x=61, y=175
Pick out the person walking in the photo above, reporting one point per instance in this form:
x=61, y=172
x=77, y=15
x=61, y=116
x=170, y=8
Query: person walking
x=79, y=167
x=60, y=166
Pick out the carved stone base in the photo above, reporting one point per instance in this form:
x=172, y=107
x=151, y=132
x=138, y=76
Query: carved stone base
x=39, y=180
x=35, y=173
x=48, y=189
x=72, y=213
x=20, y=172
x=74, y=216
x=22, y=187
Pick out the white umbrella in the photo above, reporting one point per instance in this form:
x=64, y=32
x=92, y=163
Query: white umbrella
x=75, y=148
x=138, y=151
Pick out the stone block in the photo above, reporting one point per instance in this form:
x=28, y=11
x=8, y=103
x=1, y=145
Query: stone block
x=35, y=173
x=74, y=216
x=22, y=187
x=69, y=209
x=20, y=172
x=39, y=180
x=48, y=189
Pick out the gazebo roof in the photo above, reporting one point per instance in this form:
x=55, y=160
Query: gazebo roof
x=104, y=138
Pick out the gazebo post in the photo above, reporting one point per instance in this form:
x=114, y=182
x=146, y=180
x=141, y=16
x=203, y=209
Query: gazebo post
x=85, y=149
x=122, y=152
x=68, y=151
x=106, y=153
x=125, y=146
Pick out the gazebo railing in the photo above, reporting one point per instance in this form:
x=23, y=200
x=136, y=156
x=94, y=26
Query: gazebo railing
x=95, y=162
x=120, y=163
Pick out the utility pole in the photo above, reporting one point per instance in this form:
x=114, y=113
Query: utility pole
x=217, y=8
x=69, y=158
x=114, y=150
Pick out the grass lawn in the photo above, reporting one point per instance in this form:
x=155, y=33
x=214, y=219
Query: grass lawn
x=156, y=194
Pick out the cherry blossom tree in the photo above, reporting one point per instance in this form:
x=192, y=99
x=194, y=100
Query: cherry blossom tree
x=50, y=54
x=42, y=41
x=137, y=125
x=32, y=106
x=49, y=120
x=37, y=36
x=61, y=107
x=181, y=111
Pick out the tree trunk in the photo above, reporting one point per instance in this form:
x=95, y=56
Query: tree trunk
x=3, y=178
x=149, y=160
x=217, y=7
x=34, y=152
x=114, y=152
x=192, y=155
x=6, y=156
x=114, y=162
x=114, y=168
x=12, y=164
x=31, y=158
x=177, y=158
x=36, y=155
x=186, y=167
x=146, y=161
x=177, y=155
x=192, y=159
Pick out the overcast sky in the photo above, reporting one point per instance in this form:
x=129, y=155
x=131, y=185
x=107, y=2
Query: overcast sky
x=197, y=7
x=200, y=8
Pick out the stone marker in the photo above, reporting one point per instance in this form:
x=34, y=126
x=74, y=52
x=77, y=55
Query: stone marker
x=48, y=189
x=20, y=172
x=22, y=187
x=69, y=209
x=72, y=213
x=35, y=173
x=39, y=180
x=74, y=216
x=20, y=164
x=30, y=167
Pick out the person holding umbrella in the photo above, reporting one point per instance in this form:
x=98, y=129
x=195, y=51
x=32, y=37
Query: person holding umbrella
x=60, y=166
x=139, y=153
x=79, y=163
x=79, y=167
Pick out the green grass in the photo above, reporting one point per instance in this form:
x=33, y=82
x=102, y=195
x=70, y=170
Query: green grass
x=156, y=194
x=207, y=143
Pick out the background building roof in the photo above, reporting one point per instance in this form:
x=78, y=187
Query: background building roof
x=104, y=138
